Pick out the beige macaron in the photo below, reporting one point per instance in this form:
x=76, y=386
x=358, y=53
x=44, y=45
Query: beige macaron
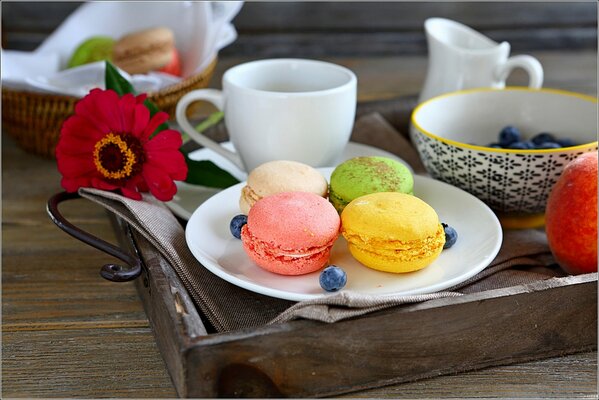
x=281, y=176
x=144, y=51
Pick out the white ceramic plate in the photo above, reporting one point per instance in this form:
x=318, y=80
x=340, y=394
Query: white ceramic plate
x=479, y=239
x=189, y=197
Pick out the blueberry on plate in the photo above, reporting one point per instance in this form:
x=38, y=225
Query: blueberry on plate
x=542, y=137
x=451, y=236
x=236, y=224
x=509, y=135
x=332, y=278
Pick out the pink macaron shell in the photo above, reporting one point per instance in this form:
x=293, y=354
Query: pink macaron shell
x=291, y=233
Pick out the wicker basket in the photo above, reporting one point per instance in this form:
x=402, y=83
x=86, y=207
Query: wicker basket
x=34, y=119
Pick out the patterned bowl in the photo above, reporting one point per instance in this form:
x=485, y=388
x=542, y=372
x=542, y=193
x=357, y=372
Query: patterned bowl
x=452, y=132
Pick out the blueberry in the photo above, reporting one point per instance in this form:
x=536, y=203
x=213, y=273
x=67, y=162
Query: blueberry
x=332, y=278
x=509, y=135
x=494, y=145
x=236, y=224
x=565, y=142
x=543, y=137
x=518, y=145
x=549, y=145
x=451, y=236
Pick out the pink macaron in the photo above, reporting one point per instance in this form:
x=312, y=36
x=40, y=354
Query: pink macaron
x=291, y=233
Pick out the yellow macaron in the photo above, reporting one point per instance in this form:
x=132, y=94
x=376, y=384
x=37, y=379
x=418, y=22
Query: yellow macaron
x=392, y=232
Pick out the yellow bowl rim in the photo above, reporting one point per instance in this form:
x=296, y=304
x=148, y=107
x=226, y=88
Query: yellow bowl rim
x=497, y=150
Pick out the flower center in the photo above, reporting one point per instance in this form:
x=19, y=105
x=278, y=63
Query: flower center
x=118, y=157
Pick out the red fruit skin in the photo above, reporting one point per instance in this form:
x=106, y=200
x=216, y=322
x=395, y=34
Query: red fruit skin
x=173, y=67
x=571, y=216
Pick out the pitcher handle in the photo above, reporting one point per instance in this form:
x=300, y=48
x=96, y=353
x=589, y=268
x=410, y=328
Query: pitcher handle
x=111, y=272
x=530, y=64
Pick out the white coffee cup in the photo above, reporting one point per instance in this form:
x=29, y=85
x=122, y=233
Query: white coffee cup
x=461, y=58
x=291, y=109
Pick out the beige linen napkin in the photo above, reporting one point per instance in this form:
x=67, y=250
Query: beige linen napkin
x=523, y=258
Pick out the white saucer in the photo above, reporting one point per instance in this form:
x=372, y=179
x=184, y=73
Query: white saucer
x=479, y=239
x=189, y=197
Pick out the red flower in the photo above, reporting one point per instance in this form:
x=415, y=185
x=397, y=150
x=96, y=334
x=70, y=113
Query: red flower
x=106, y=144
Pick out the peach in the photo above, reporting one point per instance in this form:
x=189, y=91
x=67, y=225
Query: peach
x=571, y=216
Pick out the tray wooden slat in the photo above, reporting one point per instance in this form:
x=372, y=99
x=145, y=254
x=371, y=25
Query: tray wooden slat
x=306, y=358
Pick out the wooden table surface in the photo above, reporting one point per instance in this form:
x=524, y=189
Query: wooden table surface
x=69, y=333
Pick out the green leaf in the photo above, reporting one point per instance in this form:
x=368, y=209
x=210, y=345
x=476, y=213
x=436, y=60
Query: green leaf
x=206, y=173
x=115, y=81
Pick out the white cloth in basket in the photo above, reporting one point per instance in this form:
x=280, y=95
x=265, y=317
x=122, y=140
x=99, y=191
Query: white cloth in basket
x=201, y=29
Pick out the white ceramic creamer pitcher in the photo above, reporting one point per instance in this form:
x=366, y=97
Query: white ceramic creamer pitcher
x=461, y=58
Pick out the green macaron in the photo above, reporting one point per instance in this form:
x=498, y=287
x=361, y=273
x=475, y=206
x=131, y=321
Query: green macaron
x=360, y=176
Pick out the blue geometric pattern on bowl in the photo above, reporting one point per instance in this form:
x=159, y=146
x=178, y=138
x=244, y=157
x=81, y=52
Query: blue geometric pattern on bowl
x=507, y=182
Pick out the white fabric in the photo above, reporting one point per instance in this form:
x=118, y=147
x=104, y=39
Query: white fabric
x=201, y=29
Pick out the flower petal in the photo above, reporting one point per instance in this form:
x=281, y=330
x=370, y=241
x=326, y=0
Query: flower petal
x=132, y=194
x=71, y=167
x=81, y=127
x=127, y=104
x=159, y=182
x=166, y=139
x=74, y=145
x=172, y=162
x=158, y=119
x=108, y=107
x=141, y=119
x=73, y=184
x=88, y=109
x=140, y=98
x=102, y=184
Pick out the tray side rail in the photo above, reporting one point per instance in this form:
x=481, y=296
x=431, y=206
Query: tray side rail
x=305, y=359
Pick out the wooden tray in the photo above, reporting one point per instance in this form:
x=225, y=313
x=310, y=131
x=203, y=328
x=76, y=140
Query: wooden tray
x=306, y=358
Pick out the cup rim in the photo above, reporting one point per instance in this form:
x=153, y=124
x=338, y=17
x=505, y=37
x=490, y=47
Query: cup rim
x=351, y=77
x=493, y=149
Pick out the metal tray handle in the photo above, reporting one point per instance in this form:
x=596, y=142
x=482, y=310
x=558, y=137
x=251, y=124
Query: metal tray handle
x=111, y=272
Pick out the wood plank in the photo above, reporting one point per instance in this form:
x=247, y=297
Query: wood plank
x=83, y=363
x=362, y=44
x=312, y=29
x=406, y=16
x=499, y=382
x=348, y=16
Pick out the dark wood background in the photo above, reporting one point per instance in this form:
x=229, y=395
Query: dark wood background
x=312, y=29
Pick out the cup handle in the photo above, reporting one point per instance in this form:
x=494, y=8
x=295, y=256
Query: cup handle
x=530, y=64
x=215, y=97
